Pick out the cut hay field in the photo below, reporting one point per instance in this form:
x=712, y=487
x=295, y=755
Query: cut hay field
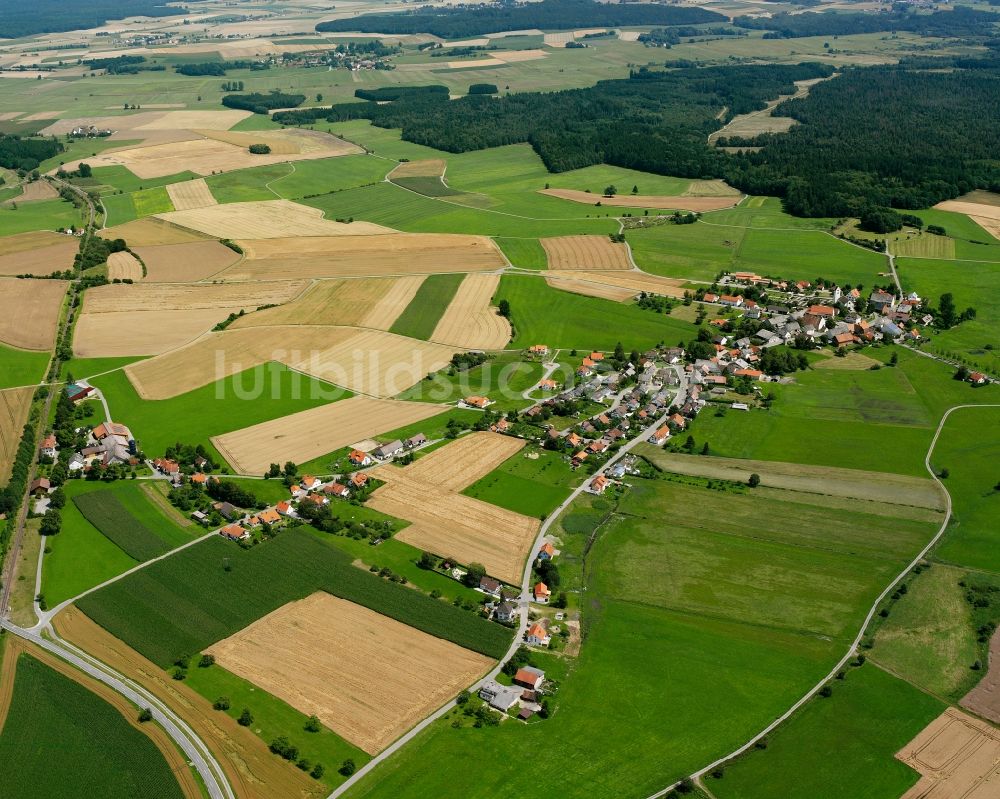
x=38, y=253
x=133, y=333
x=152, y=232
x=190, y=194
x=14, y=407
x=273, y=219
x=188, y=262
x=124, y=266
x=312, y=433
x=673, y=203
x=189, y=297
x=102, y=749
x=362, y=255
x=427, y=167
x=366, y=676
x=534, y=485
x=187, y=602
x=361, y=302
x=420, y=317
x=459, y=464
x=615, y=286
x=586, y=252
x=31, y=312
x=470, y=321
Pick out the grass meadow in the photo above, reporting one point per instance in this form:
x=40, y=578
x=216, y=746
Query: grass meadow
x=428, y=305
x=98, y=752
x=503, y=378
x=523, y=253
x=532, y=486
x=21, y=367
x=40, y=215
x=105, y=510
x=293, y=181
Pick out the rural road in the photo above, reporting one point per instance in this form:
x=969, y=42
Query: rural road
x=523, y=608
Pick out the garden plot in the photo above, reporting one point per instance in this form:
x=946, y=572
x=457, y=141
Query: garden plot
x=37, y=253
x=659, y=201
x=586, y=252
x=470, y=320
x=190, y=194
x=367, y=677
x=267, y=219
x=31, y=312
x=181, y=263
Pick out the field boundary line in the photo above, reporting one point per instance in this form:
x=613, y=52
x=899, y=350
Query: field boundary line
x=697, y=775
x=280, y=177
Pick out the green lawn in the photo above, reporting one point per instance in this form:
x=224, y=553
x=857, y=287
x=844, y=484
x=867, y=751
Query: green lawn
x=524, y=253
x=99, y=753
x=849, y=739
x=40, y=215
x=503, y=378
x=532, y=486
x=88, y=367
x=213, y=409
x=421, y=316
x=21, y=367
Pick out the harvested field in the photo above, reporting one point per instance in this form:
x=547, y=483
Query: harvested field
x=318, y=431
x=853, y=361
x=558, y=39
x=151, y=232
x=514, y=56
x=364, y=302
x=14, y=406
x=120, y=297
x=981, y=198
x=182, y=263
x=367, y=677
x=476, y=62
x=253, y=771
x=456, y=526
x=680, y=203
x=270, y=219
x=882, y=487
x=957, y=755
x=710, y=188
x=190, y=194
x=984, y=699
x=118, y=334
x=459, y=464
x=31, y=312
x=360, y=255
x=429, y=167
x=37, y=253
x=37, y=190
x=124, y=266
x=985, y=215
x=294, y=141
x=469, y=320
x=614, y=285
x=586, y=252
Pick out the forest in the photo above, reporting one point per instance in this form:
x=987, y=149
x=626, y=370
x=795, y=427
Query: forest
x=461, y=22
x=260, y=103
x=960, y=21
x=26, y=17
x=26, y=154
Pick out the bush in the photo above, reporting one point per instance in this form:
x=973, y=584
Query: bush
x=260, y=149
x=348, y=767
x=145, y=715
x=483, y=88
x=246, y=718
x=222, y=703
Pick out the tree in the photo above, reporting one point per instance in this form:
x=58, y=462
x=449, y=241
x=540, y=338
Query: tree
x=206, y=661
x=51, y=523
x=704, y=449
x=619, y=352
x=222, y=703
x=475, y=573
x=260, y=149
x=947, y=316
x=274, y=471
x=319, y=97
x=290, y=469
x=348, y=767
x=246, y=718
x=318, y=771
x=503, y=308
x=894, y=359
x=57, y=499
x=877, y=219
x=84, y=170
x=635, y=189
x=145, y=715
x=754, y=480
x=826, y=691
x=427, y=561
x=313, y=725
x=962, y=373
x=610, y=191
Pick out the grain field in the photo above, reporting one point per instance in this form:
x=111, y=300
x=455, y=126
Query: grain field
x=470, y=320
x=190, y=194
x=586, y=252
x=124, y=266
x=14, y=406
x=266, y=219
x=188, y=262
x=31, y=312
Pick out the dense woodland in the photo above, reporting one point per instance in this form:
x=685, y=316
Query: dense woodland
x=960, y=21
x=460, y=22
x=26, y=17
x=260, y=103
x=26, y=154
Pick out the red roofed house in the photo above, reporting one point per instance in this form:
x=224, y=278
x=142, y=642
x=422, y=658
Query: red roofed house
x=678, y=421
x=598, y=484
x=822, y=311
x=359, y=458
x=199, y=479
x=541, y=593
x=756, y=374
x=164, y=465
x=709, y=297
x=310, y=483
x=537, y=635
x=476, y=402
x=538, y=349
x=269, y=516
x=283, y=508
x=546, y=551
x=48, y=446
x=977, y=379
x=733, y=300
x=336, y=490
x=597, y=356
x=659, y=436
x=360, y=480
x=530, y=678
x=234, y=532
x=548, y=384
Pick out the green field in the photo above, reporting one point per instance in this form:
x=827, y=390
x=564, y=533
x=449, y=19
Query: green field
x=427, y=185
x=40, y=215
x=848, y=739
x=523, y=253
x=428, y=305
x=21, y=367
x=118, y=178
x=534, y=487
x=217, y=408
x=105, y=511
x=98, y=752
x=182, y=604
x=503, y=379
x=89, y=367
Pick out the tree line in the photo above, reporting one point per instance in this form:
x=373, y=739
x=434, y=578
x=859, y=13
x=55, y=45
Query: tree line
x=260, y=103
x=959, y=21
x=26, y=17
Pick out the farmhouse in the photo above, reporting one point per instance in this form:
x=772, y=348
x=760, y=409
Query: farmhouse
x=537, y=635
x=506, y=611
x=731, y=300
x=388, y=450
x=47, y=449
x=598, y=484
x=415, y=441
x=39, y=486
x=476, y=402
x=539, y=349
x=530, y=677
x=499, y=696
x=978, y=379
x=541, y=593
x=359, y=458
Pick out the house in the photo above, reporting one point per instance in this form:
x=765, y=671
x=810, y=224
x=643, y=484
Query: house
x=163, y=465
x=315, y=499
x=740, y=406
x=310, y=483
x=597, y=447
x=388, y=450
x=525, y=713
x=269, y=516
x=506, y=611
x=234, y=532
x=546, y=551
x=588, y=362
x=359, y=458
x=597, y=356
x=539, y=349
x=753, y=374
x=574, y=440
x=106, y=429
x=710, y=297
x=732, y=300
x=415, y=441
x=283, y=509
x=199, y=479
x=541, y=593
x=39, y=486
x=537, y=635
x=78, y=393
x=598, y=484
x=201, y=518
x=880, y=299
x=678, y=421
x=501, y=426
x=843, y=339
x=227, y=510
x=661, y=435
x=296, y=490
x=477, y=402
x=489, y=586
x=530, y=677
x=48, y=446
x=336, y=490
x=548, y=384
x=499, y=697
x=360, y=480
x=822, y=311
x=978, y=379
x=579, y=457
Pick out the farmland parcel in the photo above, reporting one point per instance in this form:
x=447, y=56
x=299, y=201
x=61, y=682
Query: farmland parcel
x=31, y=311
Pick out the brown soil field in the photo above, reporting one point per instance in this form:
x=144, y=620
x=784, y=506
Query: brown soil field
x=361, y=255
x=151, y=232
x=317, y=431
x=182, y=263
x=190, y=194
x=681, y=203
x=469, y=320
x=456, y=466
x=270, y=219
x=476, y=62
x=37, y=190
x=456, y=526
x=117, y=334
x=124, y=266
x=367, y=677
x=853, y=361
x=429, y=167
x=891, y=489
x=31, y=312
x=958, y=757
x=586, y=252
x=362, y=302
x=984, y=699
x=514, y=56
x=155, y=120
x=981, y=198
x=14, y=406
x=618, y=286
x=253, y=771
x=16, y=647
x=987, y=216
x=53, y=253
x=116, y=298
x=601, y=290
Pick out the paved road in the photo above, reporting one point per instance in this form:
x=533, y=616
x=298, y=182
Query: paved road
x=522, y=609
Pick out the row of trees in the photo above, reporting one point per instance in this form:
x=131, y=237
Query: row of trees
x=959, y=21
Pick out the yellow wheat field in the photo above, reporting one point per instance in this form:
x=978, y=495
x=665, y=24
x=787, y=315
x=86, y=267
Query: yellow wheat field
x=151, y=232
x=152, y=332
x=456, y=466
x=14, y=406
x=268, y=219
x=317, y=431
x=185, y=263
x=190, y=194
x=294, y=141
x=124, y=266
x=367, y=677
x=614, y=285
x=469, y=320
x=586, y=252
x=189, y=296
x=31, y=312
x=603, y=291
